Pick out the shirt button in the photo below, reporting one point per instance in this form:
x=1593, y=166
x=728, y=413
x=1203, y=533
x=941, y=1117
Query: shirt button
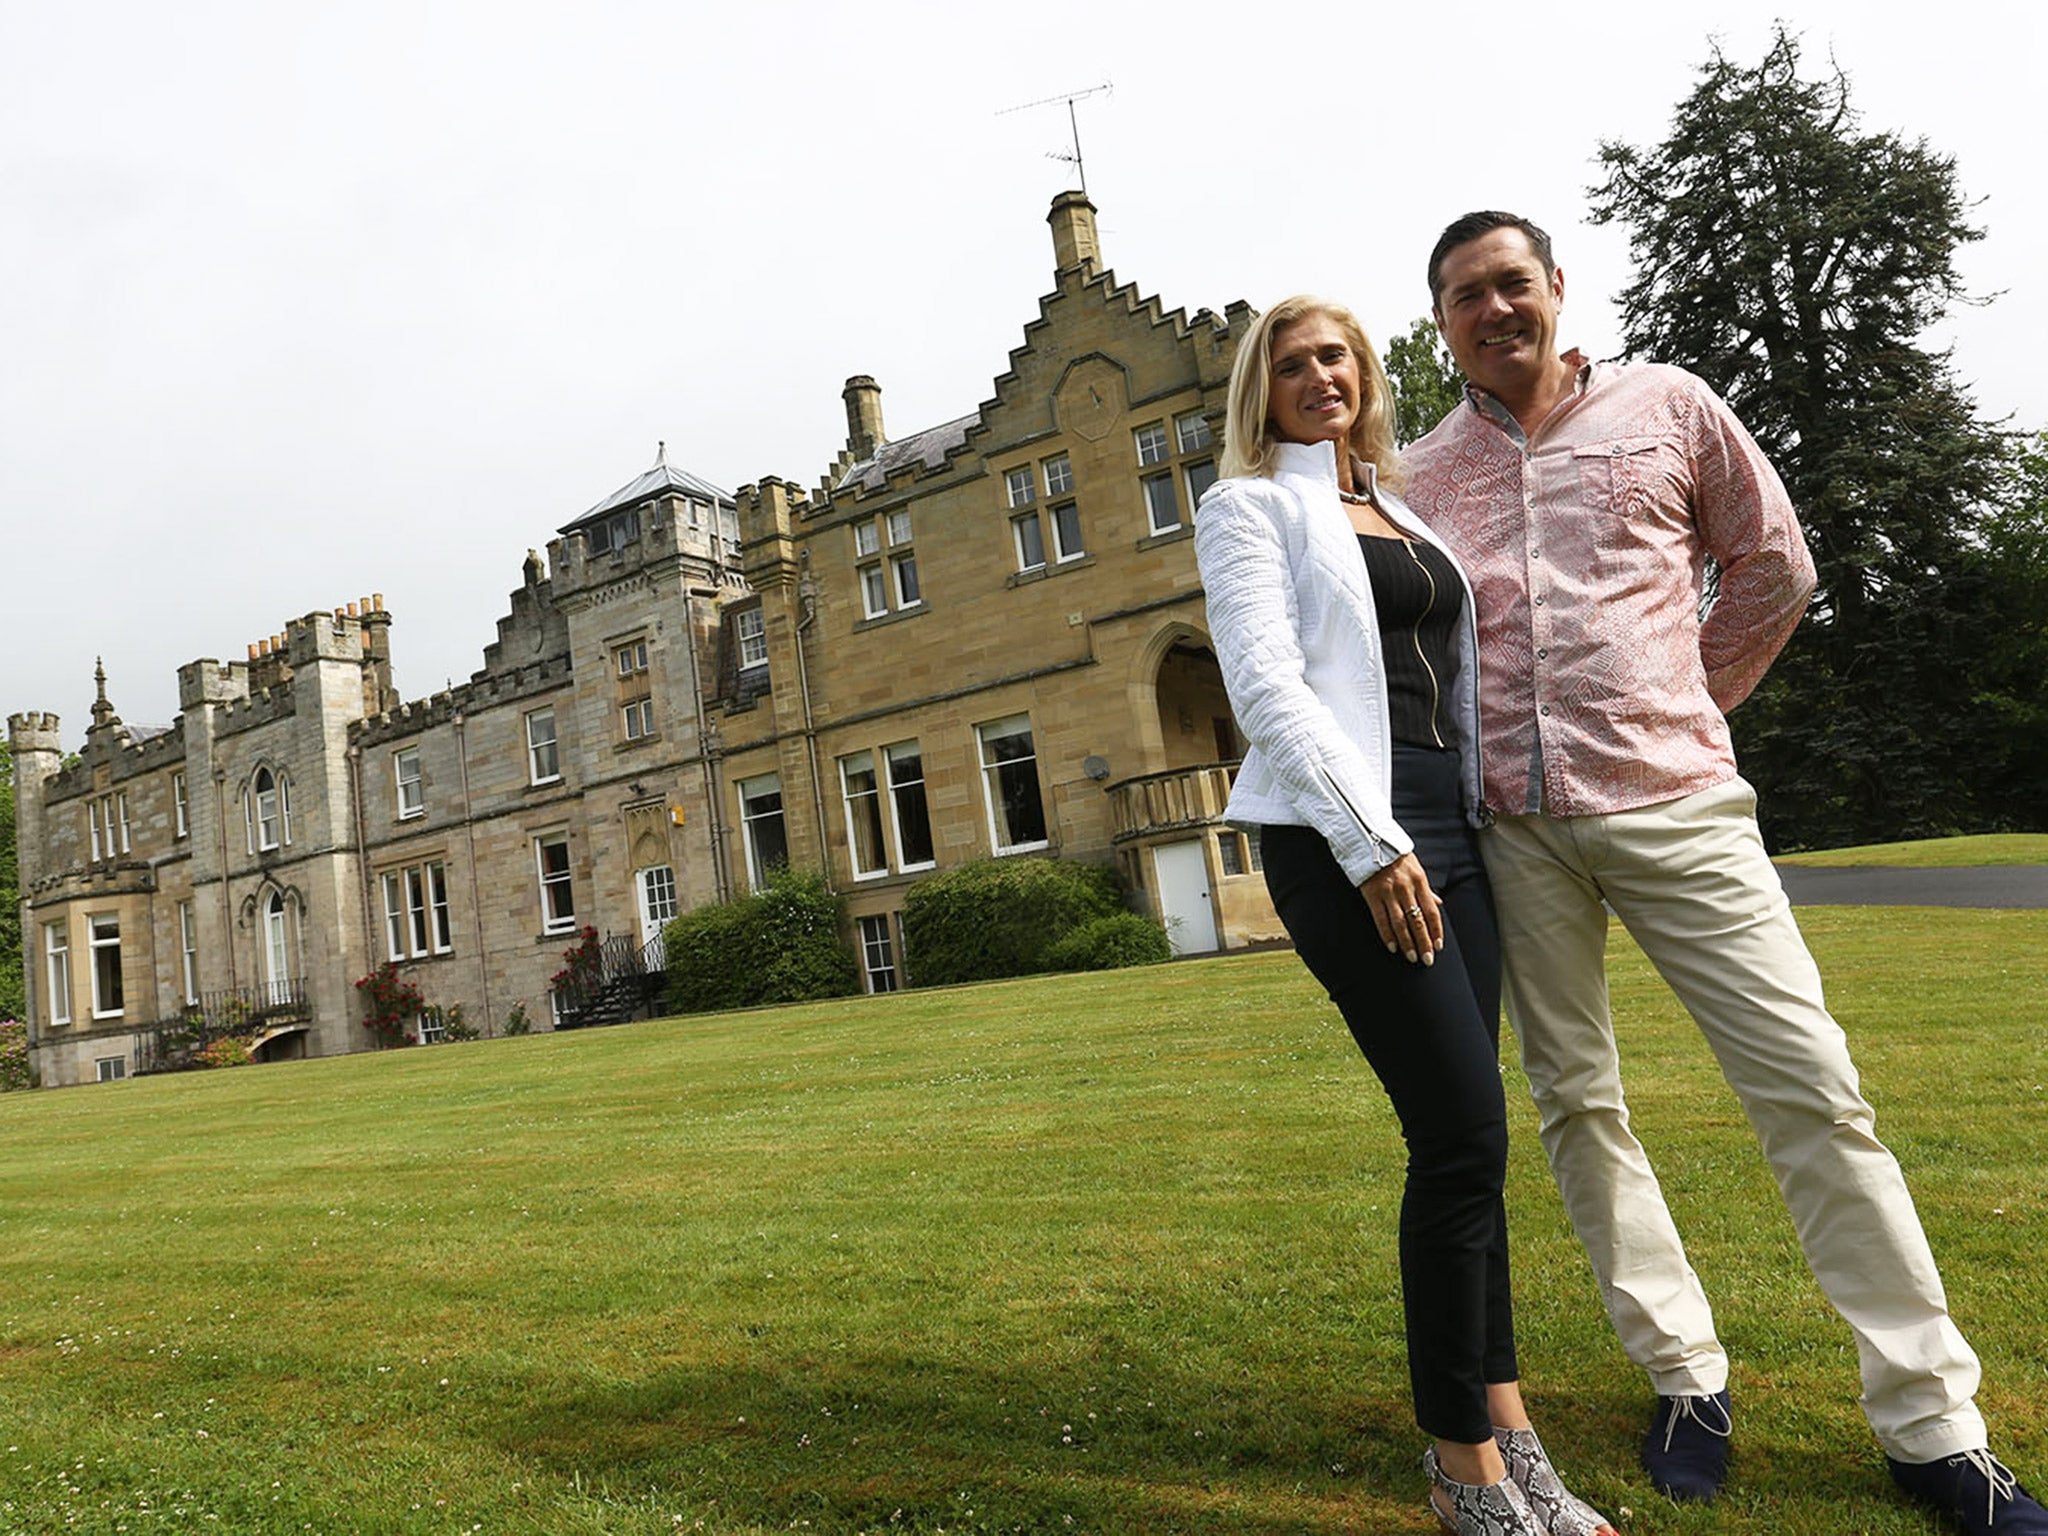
x=1539, y=602
x=1545, y=710
x=1542, y=651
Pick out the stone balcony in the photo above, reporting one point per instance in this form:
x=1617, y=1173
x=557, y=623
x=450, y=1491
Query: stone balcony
x=1155, y=804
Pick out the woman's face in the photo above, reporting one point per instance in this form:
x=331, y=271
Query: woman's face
x=1314, y=389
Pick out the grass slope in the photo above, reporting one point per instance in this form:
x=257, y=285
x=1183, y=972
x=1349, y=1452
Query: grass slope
x=1934, y=853
x=1095, y=1253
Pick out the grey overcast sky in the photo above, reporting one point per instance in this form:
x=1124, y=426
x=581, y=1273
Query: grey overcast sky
x=302, y=301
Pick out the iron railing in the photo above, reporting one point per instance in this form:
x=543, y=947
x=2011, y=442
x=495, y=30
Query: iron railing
x=244, y=1011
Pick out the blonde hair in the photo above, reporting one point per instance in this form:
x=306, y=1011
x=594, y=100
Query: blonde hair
x=1248, y=436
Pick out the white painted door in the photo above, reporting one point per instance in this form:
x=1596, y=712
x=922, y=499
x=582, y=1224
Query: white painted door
x=657, y=888
x=1182, y=870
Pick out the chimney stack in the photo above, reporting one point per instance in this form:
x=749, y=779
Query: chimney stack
x=863, y=398
x=1073, y=233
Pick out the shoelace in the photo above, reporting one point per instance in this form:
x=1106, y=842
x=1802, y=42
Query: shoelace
x=1683, y=1408
x=1998, y=1481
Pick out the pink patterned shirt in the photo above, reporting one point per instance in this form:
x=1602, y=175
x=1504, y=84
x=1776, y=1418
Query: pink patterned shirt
x=1600, y=688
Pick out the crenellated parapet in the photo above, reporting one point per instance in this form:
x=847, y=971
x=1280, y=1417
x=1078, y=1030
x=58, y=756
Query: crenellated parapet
x=259, y=709
x=33, y=730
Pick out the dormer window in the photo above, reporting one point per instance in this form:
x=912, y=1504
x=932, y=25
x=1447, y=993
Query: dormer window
x=612, y=534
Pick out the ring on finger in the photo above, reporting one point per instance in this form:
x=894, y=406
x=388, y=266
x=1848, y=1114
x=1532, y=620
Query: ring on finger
x=1415, y=912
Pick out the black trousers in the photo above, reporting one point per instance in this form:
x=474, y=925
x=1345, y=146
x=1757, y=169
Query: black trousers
x=1432, y=1034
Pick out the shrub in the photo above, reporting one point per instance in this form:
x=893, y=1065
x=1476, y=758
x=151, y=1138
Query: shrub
x=1109, y=943
x=516, y=1021
x=13, y=1055
x=388, y=1001
x=997, y=917
x=779, y=946
x=227, y=1051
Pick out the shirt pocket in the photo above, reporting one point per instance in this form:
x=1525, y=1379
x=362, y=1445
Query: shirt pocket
x=1621, y=474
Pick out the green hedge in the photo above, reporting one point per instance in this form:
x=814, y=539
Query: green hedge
x=779, y=946
x=1108, y=944
x=998, y=917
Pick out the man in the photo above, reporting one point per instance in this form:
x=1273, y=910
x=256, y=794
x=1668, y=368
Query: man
x=1584, y=500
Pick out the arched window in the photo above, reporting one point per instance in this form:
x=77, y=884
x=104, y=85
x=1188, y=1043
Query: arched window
x=269, y=810
x=276, y=950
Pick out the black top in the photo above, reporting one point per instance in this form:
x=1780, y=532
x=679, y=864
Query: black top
x=1417, y=594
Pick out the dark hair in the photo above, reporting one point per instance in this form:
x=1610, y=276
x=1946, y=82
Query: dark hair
x=1471, y=227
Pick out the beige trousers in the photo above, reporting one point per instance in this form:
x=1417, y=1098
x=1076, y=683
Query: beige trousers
x=1691, y=882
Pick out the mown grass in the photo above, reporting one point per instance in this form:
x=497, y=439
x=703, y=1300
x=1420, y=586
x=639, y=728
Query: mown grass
x=1095, y=1253
x=1934, y=853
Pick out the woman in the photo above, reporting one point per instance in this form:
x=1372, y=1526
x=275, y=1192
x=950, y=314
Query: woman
x=1346, y=638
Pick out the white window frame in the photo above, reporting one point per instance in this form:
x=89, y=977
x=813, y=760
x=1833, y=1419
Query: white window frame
x=903, y=571
x=878, y=954
x=899, y=786
x=181, y=806
x=110, y=1069
x=558, y=886
x=752, y=792
x=188, y=951
x=992, y=770
x=1059, y=475
x=1066, y=525
x=392, y=883
x=867, y=538
x=410, y=787
x=874, y=591
x=1191, y=431
x=1022, y=487
x=57, y=970
x=96, y=943
x=1151, y=443
x=750, y=633
x=638, y=719
x=270, y=818
x=92, y=824
x=543, y=751
x=899, y=526
x=277, y=947
x=1149, y=486
x=122, y=801
x=630, y=657
x=1027, y=535
x=1206, y=470
x=863, y=807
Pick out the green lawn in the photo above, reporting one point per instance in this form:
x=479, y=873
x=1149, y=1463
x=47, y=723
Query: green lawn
x=1104, y=1254
x=1935, y=852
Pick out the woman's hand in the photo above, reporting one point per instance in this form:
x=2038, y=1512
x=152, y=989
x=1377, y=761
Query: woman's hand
x=1405, y=909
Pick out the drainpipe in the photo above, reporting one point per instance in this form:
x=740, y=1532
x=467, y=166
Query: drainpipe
x=721, y=883
x=227, y=890
x=807, y=594
x=476, y=905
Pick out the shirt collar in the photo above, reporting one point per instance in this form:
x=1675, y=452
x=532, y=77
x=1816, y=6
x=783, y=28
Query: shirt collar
x=1490, y=407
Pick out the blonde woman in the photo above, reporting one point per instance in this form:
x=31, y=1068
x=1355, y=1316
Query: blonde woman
x=1346, y=637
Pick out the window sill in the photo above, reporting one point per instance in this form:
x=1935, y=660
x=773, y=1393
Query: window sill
x=894, y=615
x=1079, y=562
x=1167, y=536
x=1038, y=847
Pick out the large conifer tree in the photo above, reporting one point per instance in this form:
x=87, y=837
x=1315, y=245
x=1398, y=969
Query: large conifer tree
x=1794, y=261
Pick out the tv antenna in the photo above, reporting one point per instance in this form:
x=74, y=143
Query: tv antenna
x=1073, y=124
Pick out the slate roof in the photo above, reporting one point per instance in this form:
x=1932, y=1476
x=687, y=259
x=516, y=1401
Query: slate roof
x=927, y=449
x=660, y=480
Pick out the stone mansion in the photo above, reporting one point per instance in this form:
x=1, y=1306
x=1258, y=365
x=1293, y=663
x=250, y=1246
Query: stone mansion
x=985, y=638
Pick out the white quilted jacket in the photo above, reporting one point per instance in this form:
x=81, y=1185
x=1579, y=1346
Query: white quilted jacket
x=1291, y=614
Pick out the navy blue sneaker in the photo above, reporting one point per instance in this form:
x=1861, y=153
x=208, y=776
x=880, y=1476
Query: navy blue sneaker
x=1978, y=1489
x=1686, y=1449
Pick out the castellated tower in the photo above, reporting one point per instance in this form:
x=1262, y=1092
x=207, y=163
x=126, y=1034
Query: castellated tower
x=38, y=753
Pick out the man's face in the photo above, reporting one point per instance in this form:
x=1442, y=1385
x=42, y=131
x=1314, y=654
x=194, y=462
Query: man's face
x=1497, y=309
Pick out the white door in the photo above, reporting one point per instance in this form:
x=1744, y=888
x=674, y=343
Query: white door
x=657, y=888
x=1182, y=870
